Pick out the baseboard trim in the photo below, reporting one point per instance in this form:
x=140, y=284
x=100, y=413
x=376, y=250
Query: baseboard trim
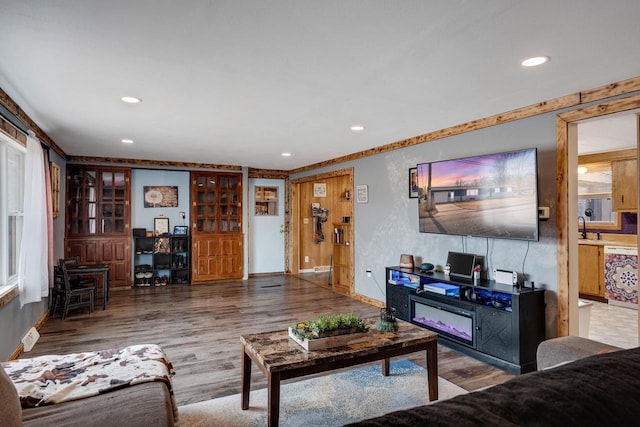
x=368, y=300
x=39, y=324
x=275, y=273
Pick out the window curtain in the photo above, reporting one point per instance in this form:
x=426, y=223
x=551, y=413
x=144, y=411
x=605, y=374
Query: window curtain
x=49, y=200
x=33, y=265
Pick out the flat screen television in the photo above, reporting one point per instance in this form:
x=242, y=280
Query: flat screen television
x=493, y=195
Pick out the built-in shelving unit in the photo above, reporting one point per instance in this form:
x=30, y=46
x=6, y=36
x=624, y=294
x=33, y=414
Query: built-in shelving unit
x=161, y=260
x=341, y=276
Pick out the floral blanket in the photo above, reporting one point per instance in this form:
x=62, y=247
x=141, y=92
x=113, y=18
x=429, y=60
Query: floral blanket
x=47, y=380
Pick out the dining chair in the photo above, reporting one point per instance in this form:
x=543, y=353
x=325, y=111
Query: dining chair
x=80, y=281
x=73, y=297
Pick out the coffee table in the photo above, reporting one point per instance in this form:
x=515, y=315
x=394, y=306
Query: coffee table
x=280, y=358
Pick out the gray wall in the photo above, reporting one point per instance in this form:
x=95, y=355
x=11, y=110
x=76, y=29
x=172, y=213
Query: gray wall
x=16, y=321
x=387, y=225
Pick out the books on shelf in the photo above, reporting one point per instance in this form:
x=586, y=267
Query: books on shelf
x=405, y=279
x=443, y=289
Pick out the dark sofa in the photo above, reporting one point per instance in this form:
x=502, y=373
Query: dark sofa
x=603, y=389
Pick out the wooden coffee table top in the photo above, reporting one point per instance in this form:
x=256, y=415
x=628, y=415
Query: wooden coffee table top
x=275, y=351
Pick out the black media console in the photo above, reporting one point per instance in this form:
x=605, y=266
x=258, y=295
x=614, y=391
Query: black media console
x=498, y=324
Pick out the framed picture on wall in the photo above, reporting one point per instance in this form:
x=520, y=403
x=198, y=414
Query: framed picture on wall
x=160, y=226
x=413, y=183
x=362, y=194
x=160, y=196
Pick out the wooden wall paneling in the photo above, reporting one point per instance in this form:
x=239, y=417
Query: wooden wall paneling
x=302, y=196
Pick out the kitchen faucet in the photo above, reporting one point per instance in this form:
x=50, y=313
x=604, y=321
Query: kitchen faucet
x=584, y=226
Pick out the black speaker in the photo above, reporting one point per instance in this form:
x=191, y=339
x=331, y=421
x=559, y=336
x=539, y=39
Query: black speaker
x=426, y=267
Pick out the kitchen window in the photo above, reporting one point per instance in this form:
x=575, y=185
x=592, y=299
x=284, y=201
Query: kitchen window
x=594, y=197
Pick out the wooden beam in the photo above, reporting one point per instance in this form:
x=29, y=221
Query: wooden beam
x=157, y=163
x=12, y=106
x=613, y=89
x=517, y=114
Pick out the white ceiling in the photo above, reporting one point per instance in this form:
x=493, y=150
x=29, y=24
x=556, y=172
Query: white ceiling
x=608, y=133
x=238, y=82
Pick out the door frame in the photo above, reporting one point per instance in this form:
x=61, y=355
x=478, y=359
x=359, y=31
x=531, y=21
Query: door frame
x=294, y=218
x=567, y=234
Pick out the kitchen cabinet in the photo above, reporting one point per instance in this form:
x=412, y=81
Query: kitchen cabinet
x=624, y=185
x=591, y=270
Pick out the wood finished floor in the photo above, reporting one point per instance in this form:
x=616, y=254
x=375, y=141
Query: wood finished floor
x=199, y=327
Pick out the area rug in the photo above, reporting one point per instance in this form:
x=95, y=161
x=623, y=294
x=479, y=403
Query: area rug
x=330, y=400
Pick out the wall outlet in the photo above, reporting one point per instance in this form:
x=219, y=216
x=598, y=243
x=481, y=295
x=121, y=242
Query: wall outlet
x=183, y=215
x=368, y=272
x=543, y=212
x=306, y=258
x=30, y=339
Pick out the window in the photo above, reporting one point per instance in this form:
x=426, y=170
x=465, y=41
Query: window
x=594, y=196
x=12, y=157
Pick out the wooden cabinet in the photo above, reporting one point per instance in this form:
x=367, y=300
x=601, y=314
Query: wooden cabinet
x=217, y=257
x=217, y=239
x=624, y=185
x=98, y=218
x=342, y=265
x=591, y=270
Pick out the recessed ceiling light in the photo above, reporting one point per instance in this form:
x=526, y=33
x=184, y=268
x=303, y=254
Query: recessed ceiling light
x=357, y=128
x=536, y=60
x=286, y=154
x=131, y=99
x=582, y=170
x=127, y=141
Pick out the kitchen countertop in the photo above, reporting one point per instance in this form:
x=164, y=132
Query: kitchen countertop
x=596, y=242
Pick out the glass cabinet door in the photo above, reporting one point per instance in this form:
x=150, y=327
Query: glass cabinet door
x=217, y=202
x=82, y=202
x=113, y=203
x=205, y=203
x=97, y=201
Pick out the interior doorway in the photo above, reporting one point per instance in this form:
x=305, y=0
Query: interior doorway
x=318, y=204
x=606, y=146
x=266, y=226
x=567, y=232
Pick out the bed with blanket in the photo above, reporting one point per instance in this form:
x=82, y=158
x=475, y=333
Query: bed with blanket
x=602, y=389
